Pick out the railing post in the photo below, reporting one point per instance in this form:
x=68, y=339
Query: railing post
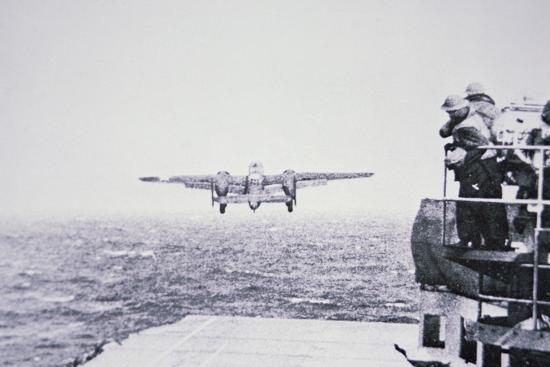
x=479, y=300
x=538, y=231
x=444, y=234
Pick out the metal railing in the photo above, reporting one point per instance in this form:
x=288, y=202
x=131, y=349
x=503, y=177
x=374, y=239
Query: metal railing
x=539, y=202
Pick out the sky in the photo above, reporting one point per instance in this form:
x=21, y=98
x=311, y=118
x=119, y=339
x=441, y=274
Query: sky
x=94, y=94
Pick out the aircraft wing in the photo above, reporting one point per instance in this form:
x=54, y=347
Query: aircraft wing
x=310, y=183
x=306, y=176
x=203, y=182
x=274, y=180
x=306, y=179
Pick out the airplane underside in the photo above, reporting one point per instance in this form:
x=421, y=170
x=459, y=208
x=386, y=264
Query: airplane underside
x=254, y=201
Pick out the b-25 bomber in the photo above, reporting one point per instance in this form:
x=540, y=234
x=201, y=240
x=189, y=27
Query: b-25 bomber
x=256, y=187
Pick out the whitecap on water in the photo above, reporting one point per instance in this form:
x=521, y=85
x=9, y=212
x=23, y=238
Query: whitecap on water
x=131, y=254
x=148, y=253
x=119, y=253
x=395, y=304
x=30, y=272
x=74, y=243
x=318, y=301
x=101, y=306
x=24, y=285
x=57, y=298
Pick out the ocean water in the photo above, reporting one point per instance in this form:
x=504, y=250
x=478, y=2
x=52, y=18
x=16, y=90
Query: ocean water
x=68, y=285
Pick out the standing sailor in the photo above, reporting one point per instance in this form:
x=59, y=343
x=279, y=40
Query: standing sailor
x=478, y=174
x=482, y=103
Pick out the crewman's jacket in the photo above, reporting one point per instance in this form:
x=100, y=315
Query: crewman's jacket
x=478, y=165
x=484, y=105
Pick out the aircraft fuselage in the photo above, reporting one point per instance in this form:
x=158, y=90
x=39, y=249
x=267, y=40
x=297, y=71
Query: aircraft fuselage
x=255, y=184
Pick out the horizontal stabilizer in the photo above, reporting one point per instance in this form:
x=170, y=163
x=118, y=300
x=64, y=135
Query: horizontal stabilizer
x=234, y=199
x=276, y=199
x=264, y=198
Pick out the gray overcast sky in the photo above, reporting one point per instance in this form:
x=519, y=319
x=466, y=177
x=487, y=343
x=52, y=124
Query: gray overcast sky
x=94, y=94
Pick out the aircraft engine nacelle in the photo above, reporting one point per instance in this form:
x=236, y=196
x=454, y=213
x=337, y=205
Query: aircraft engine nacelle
x=289, y=183
x=222, y=182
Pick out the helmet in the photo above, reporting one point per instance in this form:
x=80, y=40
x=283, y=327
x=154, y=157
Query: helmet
x=453, y=103
x=475, y=88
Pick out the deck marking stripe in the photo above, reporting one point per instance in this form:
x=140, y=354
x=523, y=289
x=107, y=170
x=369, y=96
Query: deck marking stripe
x=178, y=344
x=212, y=356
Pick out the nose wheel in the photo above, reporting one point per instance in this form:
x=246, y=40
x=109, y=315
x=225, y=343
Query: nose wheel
x=289, y=206
x=222, y=208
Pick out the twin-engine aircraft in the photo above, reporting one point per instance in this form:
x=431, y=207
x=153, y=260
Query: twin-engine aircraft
x=256, y=187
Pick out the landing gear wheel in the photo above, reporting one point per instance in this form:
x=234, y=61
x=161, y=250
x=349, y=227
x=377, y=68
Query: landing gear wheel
x=289, y=206
x=222, y=208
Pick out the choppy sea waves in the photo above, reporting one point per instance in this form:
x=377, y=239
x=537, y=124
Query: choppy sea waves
x=67, y=285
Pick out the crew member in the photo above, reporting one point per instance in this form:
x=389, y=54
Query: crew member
x=475, y=94
x=478, y=174
x=482, y=103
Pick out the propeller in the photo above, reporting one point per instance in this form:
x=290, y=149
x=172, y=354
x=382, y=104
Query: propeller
x=212, y=191
x=295, y=190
